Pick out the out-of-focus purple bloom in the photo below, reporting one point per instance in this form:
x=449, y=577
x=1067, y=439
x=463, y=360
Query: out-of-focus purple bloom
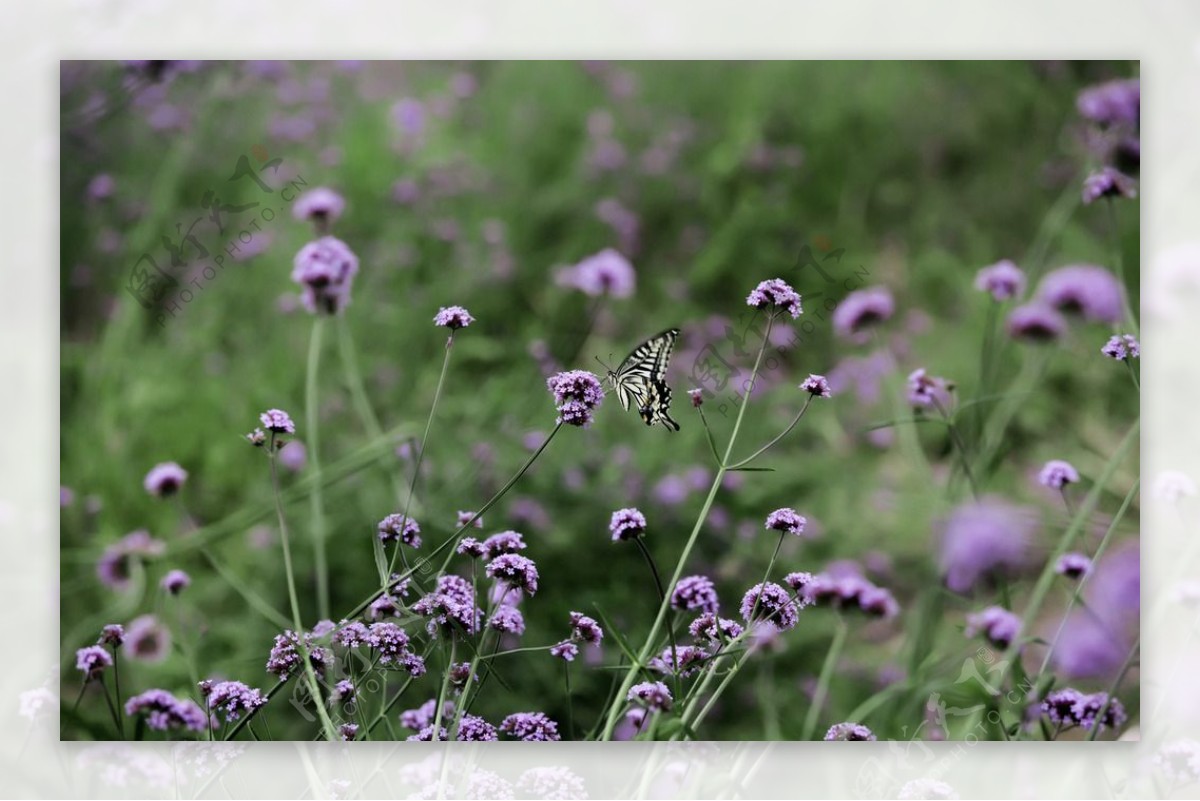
x=176, y=581
x=409, y=116
x=285, y=659
x=163, y=711
x=530, y=727
x=1121, y=347
x=257, y=438
x=695, y=594
x=293, y=456
x=1002, y=280
x=278, y=421
x=348, y=731
x=66, y=497
x=325, y=269
x=929, y=390
x=776, y=293
x=697, y=396
x=101, y=187
x=114, y=565
x=772, y=603
x=1056, y=474
x=515, y=571
x=1069, y=707
x=786, y=521
x=983, y=538
x=113, y=634
x=683, y=660
x=344, y=690
x=147, y=640
x=1086, y=289
x=861, y=309
x=845, y=591
x=473, y=728
x=507, y=620
x=383, y=606
x=1073, y=565
x=469, y=546
x=465, y=517
x=586, y=628
x=998, y=625
x=565, y=650
x=1087, y=648
x=406, y=191
x=165, y=479
x=817, y=386
x=577, y=394
x=429, y=734
x=1036, y=323
x=1107, y=183
x=604, y=273
x=653, y=695
x=453, y=317
x=849, y=731
x=1114, y=102
x=320, y=205
x=627, y=524
x=708, y=628
x=92, y=660
x=423, y=715
x=671, y=490
x=502, y=543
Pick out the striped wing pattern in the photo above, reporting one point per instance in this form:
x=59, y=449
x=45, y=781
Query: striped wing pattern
x=640, y=381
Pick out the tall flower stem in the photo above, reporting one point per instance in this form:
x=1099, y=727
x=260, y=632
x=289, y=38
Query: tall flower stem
x=315, y=499
x=770, y=444
x=314, y=686
x=1112, y=691
x=960, y=446
x=822, y=691
x=662, y=595
x=615, y=707
x=117, y=684
x=443, y=691
x=362, y=403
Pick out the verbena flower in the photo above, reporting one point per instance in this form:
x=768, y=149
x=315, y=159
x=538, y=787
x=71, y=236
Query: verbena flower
x=453, y=317
x=515, y=571
x=817, y=386
x=448, y=612
x=683, y=660
x=472, y=728
x=257, y=438
x=352, y=634
x=284, y=660
x=502, y=543
x=399, y=528
x=849, y=731
x=507, y=620
x=147, y=640
x=1085, y=289
x=163, y=711
x=1035, y=323
x=798, y=580
x=465, y=517
x=1111, y=103
x=530, y=727
x=770, y=602
x=775, y=293
x=565, y=650
x=343, y=691
x=862, y=309
x=708, y=628
x=1002, y=280
x=113, y=634
x=1097, y=636
x=604, y=273
x=422, y=716
x=786, y=521
x=325, y=270
x=165, y=479
x=984, y=538
x=697, y=396
x=176, y=581
x=393, y=646
x=1073, y=565
x=278, y=421
x=998, y=626
x=577, y=394
x=586, y=628
x=627, y=524
x=384, y=606
x=429, y=734
x=695, y=593
x=320, y=205
x=850, y=591
x=1121, y=347
x=348, y=731
x=92, y=661
x=469, y=546
x=1056, y=474
x=1107, y=183
x=653, y=695
x=928, y=390
x=114, y=567
x=1069, y=707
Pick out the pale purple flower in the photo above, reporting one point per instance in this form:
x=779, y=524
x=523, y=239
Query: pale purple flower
x=577, y=394
x=1073, y=565
x=101, y=187
x=469, y=546
x=429, y=734
x=176, y=581
x=344, y=690
x=256, y=438
x=165, y=479
x=392, y=645
x=817, y=386
x=348, y=731
x=507, y=620
x=293, y=456
x=848, y=590
x=1121, y=347
x=473, y=728
x=502, y=543
x=320, y=205
x=325, y=270
x=627, y=524
x=586, y=628
x=278, y=421
x=998, y=625
x=683, y=660
x=861, y=309
x=1086, y=289
x=115, y=564
x=1002, y=280
x=285, y=659
x=147, y=640
x=113, y=634
x=849, y=731
x=982, y=538
x=697, y=396
x=409, y=116
x=352, y=634
x=928, y=390
x=1111, y=103
x=695, y=593
x=163, y=711
x=423, y=715
x=565, y=650
x=464, y=518
x=232, y=698
x=530, y=727
x=653, y=695
x=786, y=521
x=605, y=273
x=398, y=528
x=515, y=571
x=453, y=317
x=671, y=490
x=1035, y=323
x=708, y=628
x=92, y=661
x=1107, y=183
x=384, y=606
x=1069, y=707
x=770, y=602
x=1056, y=474
x=775, y=293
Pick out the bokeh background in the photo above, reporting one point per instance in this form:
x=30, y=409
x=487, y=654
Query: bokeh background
x=477, y=184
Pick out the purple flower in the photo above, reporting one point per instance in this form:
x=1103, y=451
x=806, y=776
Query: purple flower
x=653, y=695
x=1003, y=280
x=352, y=635
x=429, y=734
x=817, y=386
x=786, y=521
x=320, y=205
x=982, y=538
x=695, y=593
x=530, y=727
x=453, y=317
x=325, y=270
x=147, y=640
x=348, y=731
x=515, y=571
x=164, y=711
x=165, y=479
x=586, y=628
x=605, y=273
x=422, y=716
x=627, y=524
x=708, y=628
x=398, y=528
x=101, y=187
x=998, y=625
x=277, y=421
x=469, y=546
x=176, y=581
x=113, y=634
x=565, y=650
x=293, y=456
x=1107, y=183
x=1069, y=707
x=1112, y=102
x=391, y=643
x=849, y=731
x=502, y=543
x=92, y=660
x=777, y=293
x=862, y=309
x=1035, y=323
x=683, y=660
x=473, y=728
x=577, y=394
x=798, y=581
x=770, y=602
x=1121, y=347
x=464, y=518
x=256, y=438
x=928, y=390
x=115, y=564
x=1073, y=565
x=233, y=698
x=507, y=620
x=344, y=690
x=844, y=591
x=448, y=610
x=284, y=660
x=1085, y=289
x=697, y=396
x=1056, y=474
x=383, y=606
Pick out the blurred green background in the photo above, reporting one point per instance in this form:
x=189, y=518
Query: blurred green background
x=472, y=183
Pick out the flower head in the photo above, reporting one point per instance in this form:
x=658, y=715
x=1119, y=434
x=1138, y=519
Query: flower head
x=708, y=628
x=653, y=695
x=92, y=661
x=982, y=538
x=164, y=711
x=1086, y=289
x=1121, y=347
x=257, y=438
x=530, y=727
x=385, y=605
x=348, y=731
x=775, y=293
x=786, y=521
x=114, y=567
x=469, y=546
x=770, y=602
x=453, y=317
x=320, y=205
x=586, y=628
x=844, y=591
x=465, y=518
x=113, y=634
x=1107, y=183
x=998, y=625
x=1073, y=565
x=577, y=394
x=861, y=309
x=473, y=728
x=1003, y=280
x=429, y=734
x=502, y=543
x=165, y=479
x=507, y=620
x=284, y=660
x=1111, y=103
x=849, y=731
x=423, y=715
x=604, y=273
x=344, y=690
x=392, y=645
x=683, y=660
x=232, y=698
x=928, y=390
x=817, y=386
x=147, y=640
x=278, y=421
x=325, y=270
x=695, y=593
x=1069, y=707
x=1056, y=474
x=565, y=650
x=697, y=396
x=351, y=635
x=627, y=524
x=1036, y=323
x=399, y=528
x=176, y=581
x=515, y=571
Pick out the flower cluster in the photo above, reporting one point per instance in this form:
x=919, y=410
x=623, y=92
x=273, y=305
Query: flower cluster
x=165, y=479
x=817, y=386
x=1057, y=474
x=708, y=628
x=502, y=543
x=849, y=591
x=163, y=711
x=778, y=294
x=278, y=421
x=285, y=658
x=453, y=317
x=507, y=620
x=399, y=528
x=928, y=390
x=450, y=607
x=605, y=273
x=1073, y=565
x=115, y=565
x=325, y=270
x=998, y=626
x=682, y=660
x=392, y=645
x=1107, y=183
x=653, y=695
x=695, y=593
x=577, y=394
x=786, y=521
x=320, y=205
x=1069, y=707
x=862, y=309
x=627, y=524
x=514, y=571
x=771, y=603
x=92, y=660
x=1002, y=280
x=1122, y=347
x=530, y=727
x=233, y=698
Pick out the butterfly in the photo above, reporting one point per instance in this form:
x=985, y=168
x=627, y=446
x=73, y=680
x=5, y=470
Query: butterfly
x=640, y=380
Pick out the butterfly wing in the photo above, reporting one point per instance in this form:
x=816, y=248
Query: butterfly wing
x=640, y=381
x=656, y=408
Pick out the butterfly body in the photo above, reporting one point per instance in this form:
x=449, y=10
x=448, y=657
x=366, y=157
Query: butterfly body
x=640, y=380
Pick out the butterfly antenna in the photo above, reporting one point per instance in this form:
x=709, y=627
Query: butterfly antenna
x=602, y=364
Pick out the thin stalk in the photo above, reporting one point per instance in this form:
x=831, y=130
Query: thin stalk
x=118, y=724
x=362, y=403
x=441, y=697
x=245, y=719
x=783, y=434
x=117, y=683
x=766, y=575
x=712, y=445
x=570, y=701
x=960, y=446
x=822, y=691
x=1112, y=691
x=315, y=500
x=662, y=596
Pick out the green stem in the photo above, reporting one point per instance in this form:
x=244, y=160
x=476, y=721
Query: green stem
x=441, y=697
x=116, y=716
x=117, y=685
x=960, y=446
x=1112, y=691
x=783, y=434
x=316, y=500
x=822, y=691
x=362, y=403
x=662, y=596
x=245, y=719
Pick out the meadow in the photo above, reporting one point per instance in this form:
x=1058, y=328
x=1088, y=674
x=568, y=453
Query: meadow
x=902, y=503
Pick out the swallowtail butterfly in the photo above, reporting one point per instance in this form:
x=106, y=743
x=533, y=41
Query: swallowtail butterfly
x=640, y=380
